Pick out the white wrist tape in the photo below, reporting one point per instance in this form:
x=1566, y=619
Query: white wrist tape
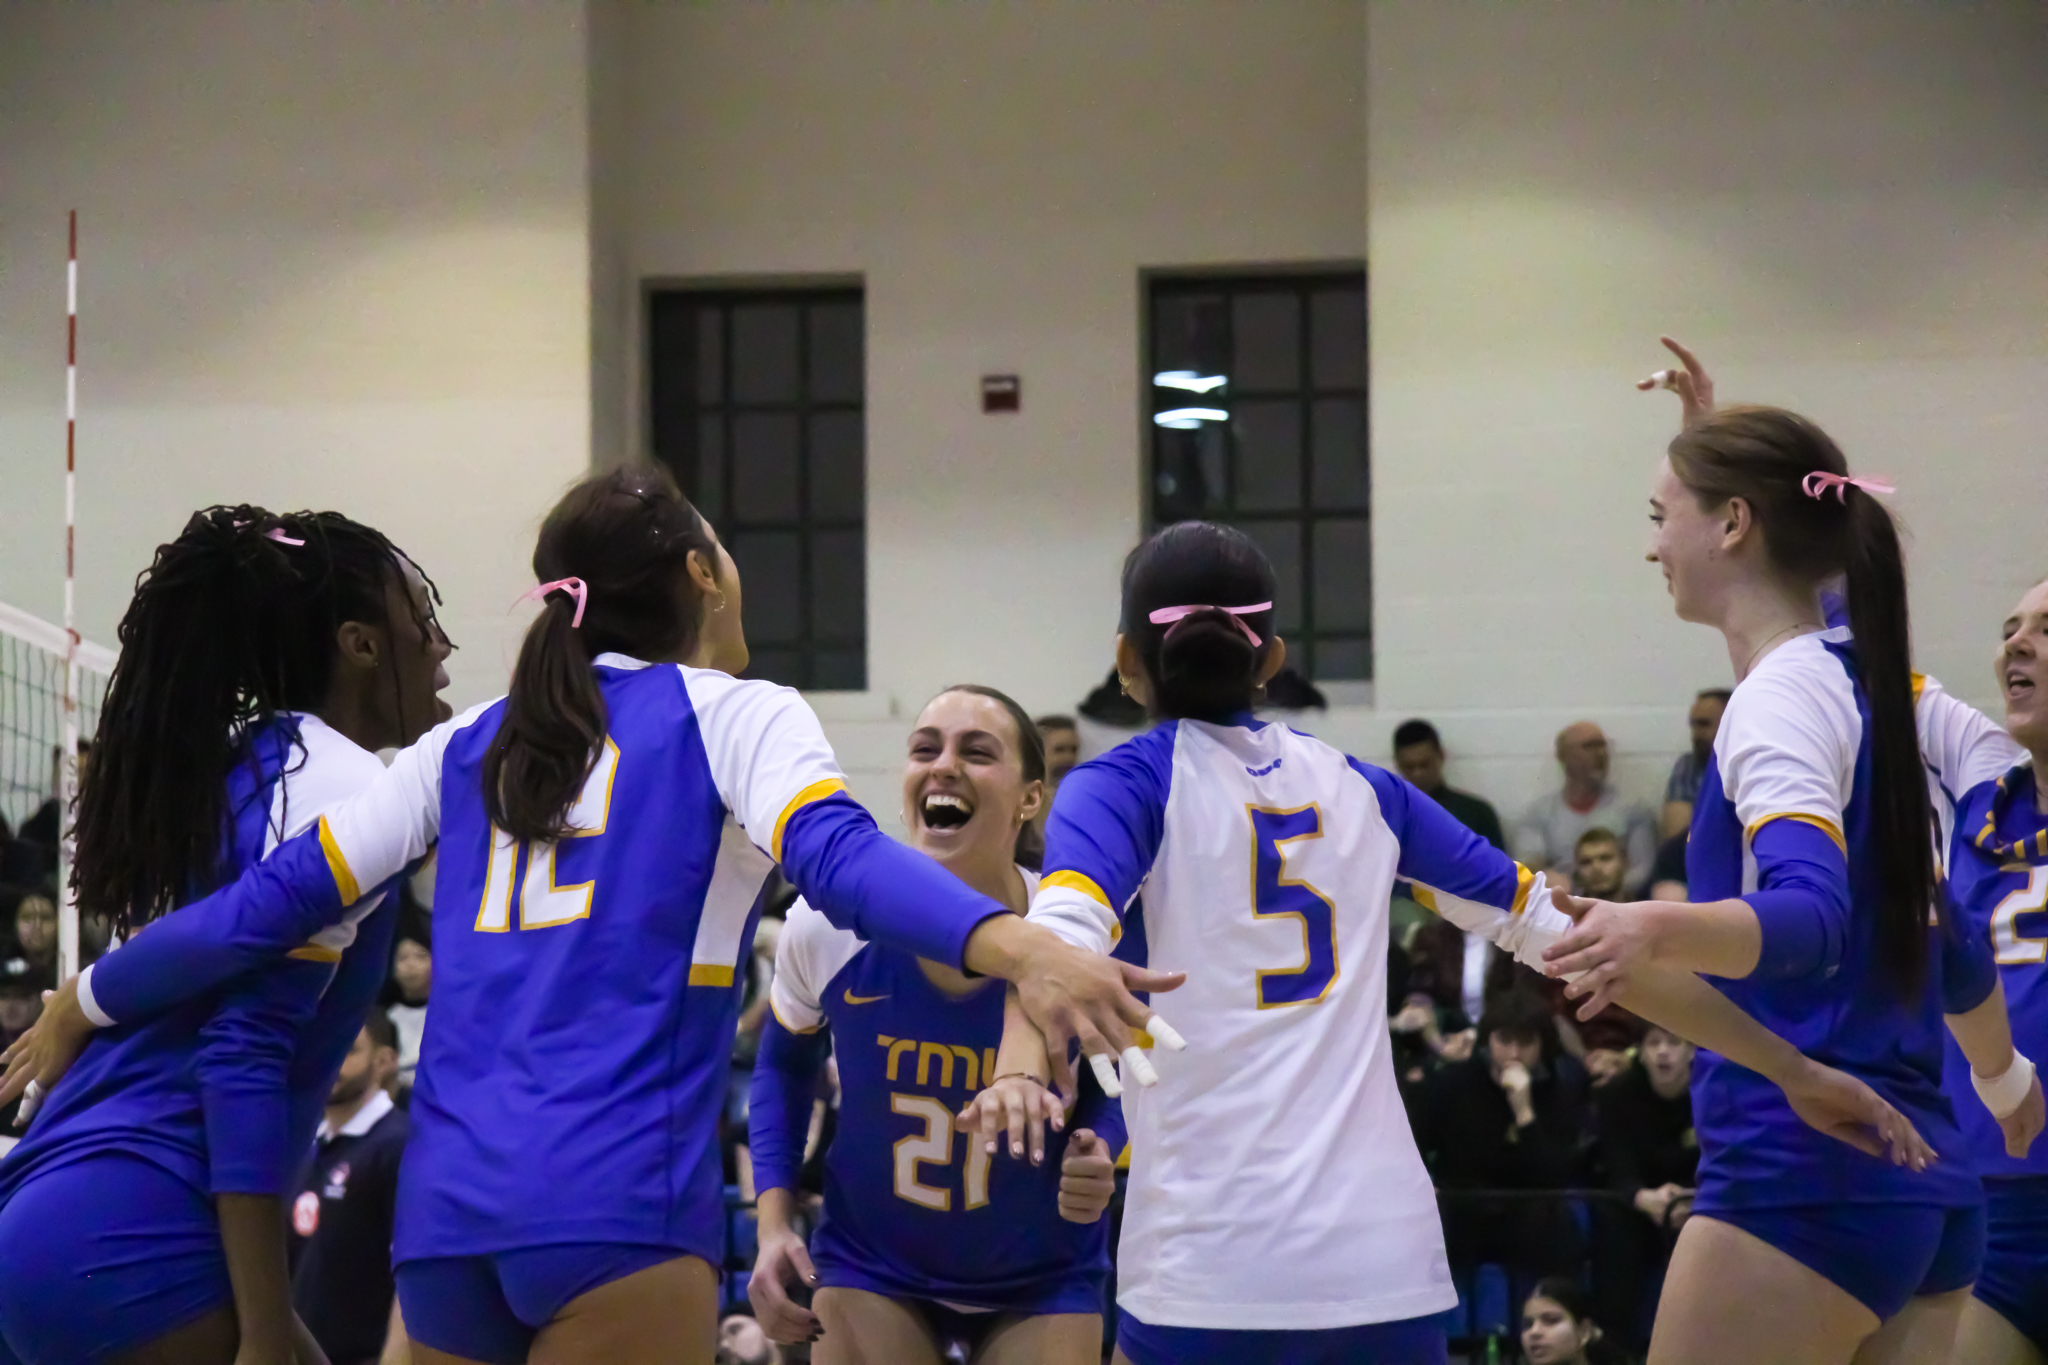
x=2003, y=1094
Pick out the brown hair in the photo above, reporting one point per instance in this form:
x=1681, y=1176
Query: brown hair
x=1763, y=456
x=628, y=534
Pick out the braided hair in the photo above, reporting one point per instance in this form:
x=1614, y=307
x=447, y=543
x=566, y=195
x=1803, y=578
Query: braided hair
x=232, y=623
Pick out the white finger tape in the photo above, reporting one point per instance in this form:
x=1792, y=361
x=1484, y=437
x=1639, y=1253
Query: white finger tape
x=1665, y=379
x=1139, y=1067
x=1105, y=1075
x=31, y=1100
x=2003, y=1094
x=1165, y=1035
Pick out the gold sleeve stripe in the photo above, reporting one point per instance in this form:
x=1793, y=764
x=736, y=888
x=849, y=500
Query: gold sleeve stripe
x=817, y=791
x=1919, y=685
x=344, y=880
x=710, y=974
x=1824, y=825
x=1524, y=880
x=776, y=1010
x=1077, y=881
x=314, y=952
x=1425, y=897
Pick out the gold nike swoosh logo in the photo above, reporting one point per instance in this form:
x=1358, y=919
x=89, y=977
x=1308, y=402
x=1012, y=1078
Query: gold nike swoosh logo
x=853, y=999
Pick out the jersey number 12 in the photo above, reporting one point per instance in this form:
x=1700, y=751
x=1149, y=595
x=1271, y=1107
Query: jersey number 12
x=541, y=903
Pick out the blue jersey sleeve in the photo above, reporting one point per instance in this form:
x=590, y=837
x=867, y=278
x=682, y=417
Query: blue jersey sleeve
x=1439, y=853
x=1102, y=838
x=779, y=1101
x=1969, y=969
x=1801, y=901
x=348, y=1001
x=886, y=892
x=244, y=1066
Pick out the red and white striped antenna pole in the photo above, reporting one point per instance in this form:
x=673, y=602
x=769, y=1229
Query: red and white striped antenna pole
x=67, y=766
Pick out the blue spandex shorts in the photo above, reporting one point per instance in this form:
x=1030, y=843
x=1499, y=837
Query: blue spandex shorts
x=104, y=1255
x=1412, y=1341
x=2014, y=1283
x=1884, y=1254
x=490, y=1308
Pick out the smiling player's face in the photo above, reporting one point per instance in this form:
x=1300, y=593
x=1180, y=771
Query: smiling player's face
x=964, y=793
x=2022, y=668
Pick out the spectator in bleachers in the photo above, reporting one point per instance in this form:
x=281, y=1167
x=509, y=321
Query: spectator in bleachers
x=1652, y=1157
x=1508, y=1118
x=342, y=1285
x=1557, y=1326
x=1603, y=1043
x=412, y=980
x=742, y=1342
x=44, y=828
x=31, y=917
x=1667, y=874
x=1682, y=789
x=1429, y=1023
x=1419, y=757
x=1549, y=829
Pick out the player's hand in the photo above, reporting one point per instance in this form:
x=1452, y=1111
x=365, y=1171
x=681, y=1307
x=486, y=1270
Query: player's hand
x=1023, y=1106
x=1693, y=385
x=783, y=1260
x=1087, y=1177
x=1603, y=1064
x=1459, y=1045
x=2024, y=1124
x=51, y=1045
x=1415, y=1017
x=1836, y=1103
x=1610, y=944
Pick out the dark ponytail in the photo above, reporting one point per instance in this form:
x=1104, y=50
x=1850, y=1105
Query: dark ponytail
x=1202, y=667
x=232, y=622
x=1764, y=456
x=627, y=534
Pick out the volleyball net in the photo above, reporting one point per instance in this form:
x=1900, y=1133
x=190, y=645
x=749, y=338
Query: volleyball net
x=32, y=750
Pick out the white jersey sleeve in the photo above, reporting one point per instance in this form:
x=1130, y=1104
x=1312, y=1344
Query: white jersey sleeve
x=395, y=820
x=1963, y=746
x=769, y=756
x=334, y=769
x=1788, y=741
x=807, y=956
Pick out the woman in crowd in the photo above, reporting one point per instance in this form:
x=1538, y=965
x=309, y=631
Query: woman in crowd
x=33, y=916
x=605, y=832
x=264, y=661
x=1814, y=881
x=1278, y=1210
x=1006, y=1263
x=1557, y=1326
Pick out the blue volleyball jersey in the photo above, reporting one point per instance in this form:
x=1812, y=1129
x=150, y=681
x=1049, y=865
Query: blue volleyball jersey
x=914, y=1207
x=1998, y=882
x=1794, y=746
x=224, y=1091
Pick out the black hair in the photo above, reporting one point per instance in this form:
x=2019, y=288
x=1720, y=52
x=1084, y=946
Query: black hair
x=1045, y=723
x=383, y=1033
x=1765, y=457
x=1416, y=732
x=1566, y=1294
x=1719, y=694
x=628, y=534
x=1598, y=834
x=1030, y=846
x=229, y=625
x=1516, y=1014
x=1202, y=667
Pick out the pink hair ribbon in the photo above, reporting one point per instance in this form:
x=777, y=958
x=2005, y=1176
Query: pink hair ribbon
x=1166, y=616
x=277, y=534
x=1817, y=484
x=575, y=587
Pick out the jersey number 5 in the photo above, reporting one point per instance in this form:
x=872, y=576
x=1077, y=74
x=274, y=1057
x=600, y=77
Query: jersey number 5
x=2013, y=947
x=935, y=1144
x=541, y=903
x=1275, y=896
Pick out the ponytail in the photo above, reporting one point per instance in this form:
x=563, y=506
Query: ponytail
x=1207, y=670
x=1901, y=818
x=1204, y=664
x=628, y=534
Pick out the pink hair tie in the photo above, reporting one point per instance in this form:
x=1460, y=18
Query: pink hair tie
x=575, y=587
x=1816, y=485
x=277, y=534
x=1166, y=616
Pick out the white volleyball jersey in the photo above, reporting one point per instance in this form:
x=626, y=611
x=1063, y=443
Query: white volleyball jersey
x=1274, y=1181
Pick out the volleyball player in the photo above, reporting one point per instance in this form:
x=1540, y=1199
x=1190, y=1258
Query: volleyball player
x=1277, y=1207
x=264, y=660
x=604, y=833
x=926, y=1245
x=1811, y=856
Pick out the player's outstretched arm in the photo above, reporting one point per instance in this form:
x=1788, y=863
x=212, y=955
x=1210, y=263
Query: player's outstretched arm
x=2004, y=1077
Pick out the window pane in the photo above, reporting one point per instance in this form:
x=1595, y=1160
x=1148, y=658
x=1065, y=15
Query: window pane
x=1343, y=660
x=1266, y=330
x=709, y=493
x=764, y=466
x=671, y=394
x=770, y=570
x=1337, y=338
x=764, y=353
x=838, y=472
x=836, y=350
x=1281, y=540
x=710, y=353
x=1343, y=575
x=838, y=588
x=840, y=670
x=1337, y=441
x=1268, y=454
x=785, y=666
x=1189, y=333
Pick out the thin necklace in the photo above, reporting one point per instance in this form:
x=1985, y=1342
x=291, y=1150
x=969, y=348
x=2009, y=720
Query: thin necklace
x=1769, y=640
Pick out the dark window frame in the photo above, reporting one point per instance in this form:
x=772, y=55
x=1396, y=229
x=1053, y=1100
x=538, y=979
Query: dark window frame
x=824, y=655
x=1306, y=643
